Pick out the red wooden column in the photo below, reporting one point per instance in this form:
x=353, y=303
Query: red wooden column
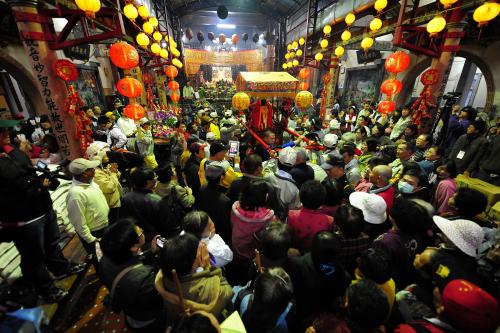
x=35, y=38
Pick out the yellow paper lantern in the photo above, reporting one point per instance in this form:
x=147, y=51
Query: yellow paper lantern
x=339, y=51
x=177, y=63
x=164, y=54
x=142, y=39
x=90, y=7
x=299, y=53
x=318, y=56
x=436, y=25
x=289, y=47
x=350, y=18
x=486, y=12
x=155, y=48
x=289, y=64
x=148, y=28
x=327, y=29
x=375, y=24
x=154, y=21
x=303, y=100
x=295, y=45
x=380, y=5
x=302, y=41
x=447, y=3
x=157, y=36
x=295, y=63
x=166, y=38
x=346, y=35
x=130, y=12
x=241, y=101
x=287, y=56
x=173, y=43
x=324, y=43
x=143, y=11
x=175, y=52
x=284, y=66
x=292, y=54
x=366, y=43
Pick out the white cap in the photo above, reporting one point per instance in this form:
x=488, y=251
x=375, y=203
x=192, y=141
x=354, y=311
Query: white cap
x=228, y=113
x=288, y=156
x=464, y=234
x=211, y=136
x=330, y=140
x=334, y=124
x=79, y=165
x=143, y=121
x=96, y=150
x=214, y=115
x=373, y=206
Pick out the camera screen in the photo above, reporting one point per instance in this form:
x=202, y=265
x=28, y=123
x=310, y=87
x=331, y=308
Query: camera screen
x=159, y=242
x=41, y=165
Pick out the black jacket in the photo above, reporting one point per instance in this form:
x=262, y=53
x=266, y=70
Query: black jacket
x=302, y=173
x=212, y=200
x=141, y=206
x=191, y=173
x=22, y=196
x=471, y=149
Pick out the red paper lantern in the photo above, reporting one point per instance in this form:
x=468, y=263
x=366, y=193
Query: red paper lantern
x=386, y=107
x=65, y=70
x=429, y=77
x=124, y=55
x=397, y=62
x=173, y=85
x=171, y=72
x=304, y=74
x=175, y=98
x=129, y=87
x=134, y=111
x=391, y=87
x=303, y=86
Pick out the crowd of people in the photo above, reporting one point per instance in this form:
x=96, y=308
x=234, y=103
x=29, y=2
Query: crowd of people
x=356, y=225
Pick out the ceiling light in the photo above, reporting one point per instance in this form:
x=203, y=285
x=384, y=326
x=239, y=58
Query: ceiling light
x=226, y=26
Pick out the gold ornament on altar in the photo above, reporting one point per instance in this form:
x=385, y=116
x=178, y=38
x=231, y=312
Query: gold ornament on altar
x=302, y=41
x=241, y=101
x=346, y=35
x=486, y=12
x=299, y=53
x=303, y=100
x=143, y=11
x=380, y=5
x=130, y=12
x=157, y=36
x=436, y=25
x=375, y=24
x=339, y=51
x=148, y=28
x=164, y=54
x=324, y=43
x=366, y=43
x=90, y=7
x=349, y=19
x=155, y=48
x=327, y=29
x=153, y=21
x=447, y=3
x=318, y=56
x=142, y=39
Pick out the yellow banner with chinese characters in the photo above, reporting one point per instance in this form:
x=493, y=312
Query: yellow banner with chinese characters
x=252, y=59
x=267, y=84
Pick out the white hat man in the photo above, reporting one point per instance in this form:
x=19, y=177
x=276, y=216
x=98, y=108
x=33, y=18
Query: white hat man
x=466, y=235
x=373, y=206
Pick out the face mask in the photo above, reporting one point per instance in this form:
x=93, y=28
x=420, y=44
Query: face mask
x=404, y=187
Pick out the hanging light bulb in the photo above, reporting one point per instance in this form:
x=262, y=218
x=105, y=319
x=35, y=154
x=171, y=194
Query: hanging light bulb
x=148, y=28
x=380, y=5
x=302, y=41
x=375, y=24
x=339, y=51
x=154, y=21
x=155, y=48
x=346, y=35
x=157, y=36
x=327, y=29
x=349, y=19
x=143, y=11
x=164, y=54
x=299, y=53
x=436, y=25
x=324, y=43
x=318, y=56
x=130, y=12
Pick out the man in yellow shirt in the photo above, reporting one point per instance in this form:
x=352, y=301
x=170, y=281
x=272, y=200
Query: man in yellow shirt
x=218, y=151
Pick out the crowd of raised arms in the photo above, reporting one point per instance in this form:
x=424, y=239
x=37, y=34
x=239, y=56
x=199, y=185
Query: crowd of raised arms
x=356, y=225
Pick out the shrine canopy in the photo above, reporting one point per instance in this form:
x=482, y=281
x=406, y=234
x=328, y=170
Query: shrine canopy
x=267, y=84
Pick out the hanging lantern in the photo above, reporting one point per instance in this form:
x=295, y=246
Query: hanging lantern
x=295, y=63
x=157, y=36
x=289, y=64
x=130, y=12
x=303, y=100
x=173, y=43
x=155, y=48
x=339, y=51
x=386, y=107
x=302, y=41
x=143, y=12
x=349, y=19
x=148, y=28
x=65, y=70
x=436, y=25
x=304, y=74
x=166, y=38
x=129, y=87
x=375, y=24
x=303, y=86
x=397, y=62
x=430, y=77
x=324, y=43
x=134, y=111
x=173, y=85
x=346, y=35
x=318, y=56
x=292, y=54
x=171, y=72
x=391, y=87
x=175, y=52
x=235, y=39
x=299, y=53
x=486, y=12
x=327, y=29
x=153, y=21
x=177, y=63
x=142, y=39
x=240, y=101
x=447, y=3
x=295, y=45
x=164, y=54
x=284, y=66
x=90, y=7
x=287, y=56
x=288, y=47
x=123, y=55
x=175, y=98
x=366, y=43
x=222, y=38
x=380, y=5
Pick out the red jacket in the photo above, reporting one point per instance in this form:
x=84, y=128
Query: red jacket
x=306, y=223
x=388, y=196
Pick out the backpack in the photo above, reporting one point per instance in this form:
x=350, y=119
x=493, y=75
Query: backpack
x=171, y=212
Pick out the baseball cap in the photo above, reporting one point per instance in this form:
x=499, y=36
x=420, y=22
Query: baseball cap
x=470, y=308
x=211, y=136
x=464, y=234
x=109, y=114
x=330, y=140
x=287, y=156
x=143, y=121
x=217, y=147
x=213, y=171
x=79, y=165
x=214, y=115
x=373, y=206
x=333, y=161
x=228, y=113
x=334, y=124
